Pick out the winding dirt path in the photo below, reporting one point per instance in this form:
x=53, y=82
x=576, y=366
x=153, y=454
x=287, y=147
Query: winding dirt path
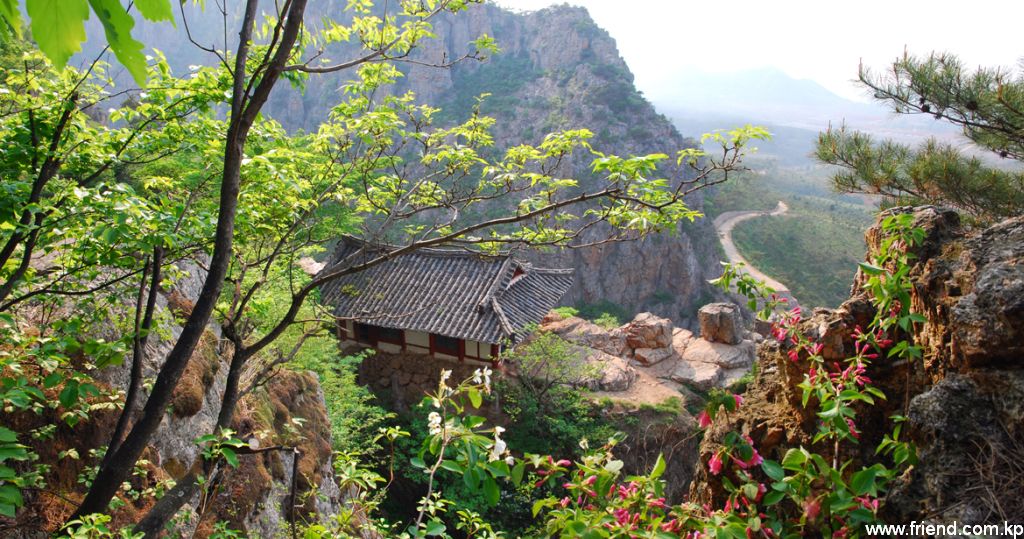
x=724, y=224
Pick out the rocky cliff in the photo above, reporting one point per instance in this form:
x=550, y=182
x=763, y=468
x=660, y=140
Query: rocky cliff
x=289, y=411
x=964, y=401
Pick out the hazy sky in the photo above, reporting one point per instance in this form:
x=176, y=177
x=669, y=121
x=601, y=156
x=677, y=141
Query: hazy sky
x=820, y=40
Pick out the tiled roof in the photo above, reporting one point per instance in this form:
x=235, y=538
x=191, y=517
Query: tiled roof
x=448, y=292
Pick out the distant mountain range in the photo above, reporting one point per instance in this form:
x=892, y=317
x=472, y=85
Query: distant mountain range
x=794, y=109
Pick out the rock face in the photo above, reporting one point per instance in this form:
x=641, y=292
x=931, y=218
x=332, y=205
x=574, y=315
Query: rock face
x=964, y=399
x=588, y=334
x=721, y=323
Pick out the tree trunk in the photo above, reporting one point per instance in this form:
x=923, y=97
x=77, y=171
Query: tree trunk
x=244, y=109
x=121, y=462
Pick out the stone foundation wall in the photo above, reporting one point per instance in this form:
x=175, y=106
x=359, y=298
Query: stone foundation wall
x=404, y=379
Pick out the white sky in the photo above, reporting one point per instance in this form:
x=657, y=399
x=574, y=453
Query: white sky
x=821, y=40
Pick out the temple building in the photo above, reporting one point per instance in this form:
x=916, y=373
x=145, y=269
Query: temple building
x=451, y=304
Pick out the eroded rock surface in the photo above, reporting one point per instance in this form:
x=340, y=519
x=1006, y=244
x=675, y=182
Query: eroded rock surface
x=964, y=399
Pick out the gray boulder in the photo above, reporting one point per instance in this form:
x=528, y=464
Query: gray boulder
x=721, y=322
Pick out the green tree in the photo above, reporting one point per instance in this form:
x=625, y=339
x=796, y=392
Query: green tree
x=987, y=103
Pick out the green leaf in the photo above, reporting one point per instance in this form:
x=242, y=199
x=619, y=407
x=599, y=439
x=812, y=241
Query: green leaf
x=117, y=25
x=7, y=510
x=230, y=456
x=452, y=466
x=871, y=269
x=659, y=467
x=773, y=497
x=8, y=435
x=773, y=470
x=538, y=505
x=491, y=491
x=474, y=397
x=9, y=12
x=52, y=380
x=155, y=10
x=11, y=495
x=434, y=527
x=863, y=481
x=517, y=473
x=69, y=395
x=794, y=459
x=58, y=27
x=417, y=462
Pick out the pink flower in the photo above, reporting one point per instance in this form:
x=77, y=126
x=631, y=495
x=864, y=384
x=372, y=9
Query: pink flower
x=715, y=464
x=563, y=463
x=704, y=419
x=738, y=399
x=565, y=502
x=868, y=503
x=853, y=428
x=657, y=502
x=811, y=508
x=794, y=356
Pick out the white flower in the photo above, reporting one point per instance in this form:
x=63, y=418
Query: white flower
x=510, y=460
x=434, y=423
x=445, y=375
x=500, y=448
x=483, y=376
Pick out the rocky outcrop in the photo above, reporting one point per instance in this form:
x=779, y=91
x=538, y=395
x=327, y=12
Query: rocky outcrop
x=721, y=322
x=964, y=400
x=651, y=342
x=588, y=334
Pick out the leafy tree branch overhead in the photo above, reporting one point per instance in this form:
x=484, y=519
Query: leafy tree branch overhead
x=986, y=103
x=58, y=27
